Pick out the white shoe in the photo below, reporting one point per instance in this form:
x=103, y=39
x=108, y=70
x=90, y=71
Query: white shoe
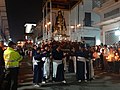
x=79, y=81
x=64, y=81
x=85, y=80
x=93, y=78
x=36, y=85
x=43, y=82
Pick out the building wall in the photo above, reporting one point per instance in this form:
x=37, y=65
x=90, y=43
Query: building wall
x=110, y=30
x=4, y=29
x=110, y=21
x=83, y=31
x=108, y=8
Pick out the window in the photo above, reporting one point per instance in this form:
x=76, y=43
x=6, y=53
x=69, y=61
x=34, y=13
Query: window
x=87, y=19
x=111, y=13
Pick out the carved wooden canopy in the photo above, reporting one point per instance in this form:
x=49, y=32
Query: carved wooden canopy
x=63, y=4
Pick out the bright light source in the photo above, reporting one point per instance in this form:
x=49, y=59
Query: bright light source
x=31, y=41
x=98, y=42
x=45, y=25
x=18, y=42
x=78, y=25
x=60, y=35
x=71, y=26
x=28, y=27
x=10, y=39
x=117, y=33
x=49, y=23
x=38, y=42
x=26, y=37
x=119, y=38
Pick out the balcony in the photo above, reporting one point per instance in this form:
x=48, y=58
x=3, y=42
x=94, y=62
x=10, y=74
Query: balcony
x=102, y=5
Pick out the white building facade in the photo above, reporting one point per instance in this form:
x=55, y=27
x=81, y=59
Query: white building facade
x=80, y=21
x=83, y=18
x=109, y=11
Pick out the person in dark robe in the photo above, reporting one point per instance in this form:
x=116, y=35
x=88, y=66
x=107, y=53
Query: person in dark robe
x=81, y=65
x=58, y=66
x=38, y=68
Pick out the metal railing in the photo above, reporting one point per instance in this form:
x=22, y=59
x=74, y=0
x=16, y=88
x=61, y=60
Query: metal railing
x=98, y=3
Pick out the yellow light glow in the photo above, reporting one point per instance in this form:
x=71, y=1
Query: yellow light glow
x=71, y=26
x=78, y=25
x=48, y=23
x=45, y=25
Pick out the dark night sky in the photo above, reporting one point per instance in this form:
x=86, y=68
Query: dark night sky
x=20, y=12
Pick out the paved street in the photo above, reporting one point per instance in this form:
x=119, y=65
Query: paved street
x=104, y=81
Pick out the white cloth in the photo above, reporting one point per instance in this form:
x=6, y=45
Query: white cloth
x=44, y=58
x=55, y=65
x=74, y=61
x=35, y=62
x=46, y=71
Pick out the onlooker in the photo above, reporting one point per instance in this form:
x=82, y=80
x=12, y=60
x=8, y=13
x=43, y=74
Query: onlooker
x=105, y=55
x=12, y=59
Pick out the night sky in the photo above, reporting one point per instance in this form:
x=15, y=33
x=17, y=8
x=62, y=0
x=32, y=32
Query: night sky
x=20, y=12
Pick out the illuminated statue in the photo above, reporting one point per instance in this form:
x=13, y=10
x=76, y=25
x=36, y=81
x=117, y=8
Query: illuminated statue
x=60, y=26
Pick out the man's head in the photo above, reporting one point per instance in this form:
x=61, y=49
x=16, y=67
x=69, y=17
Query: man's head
x=34, y=47
x=11, y=44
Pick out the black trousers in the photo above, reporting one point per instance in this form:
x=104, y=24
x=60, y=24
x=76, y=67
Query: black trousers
x=80, y=71
x=117, y=67
x=60, y=73
x=11, y=77
x=1, y=76
x=38, y=74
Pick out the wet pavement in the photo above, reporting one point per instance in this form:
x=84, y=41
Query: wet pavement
x=103, y=81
